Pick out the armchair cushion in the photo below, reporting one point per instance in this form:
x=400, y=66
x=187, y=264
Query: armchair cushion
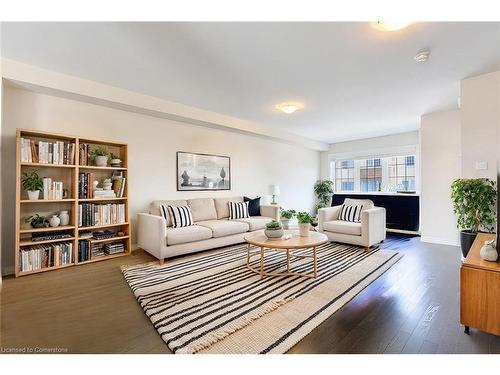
x=366, y=203
x=344, y=227
x=187, y=234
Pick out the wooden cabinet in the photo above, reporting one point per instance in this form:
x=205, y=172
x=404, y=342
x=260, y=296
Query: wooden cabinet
x=480, y=290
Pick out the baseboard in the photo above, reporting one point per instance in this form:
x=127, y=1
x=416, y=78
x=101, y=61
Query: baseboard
x=439, y=240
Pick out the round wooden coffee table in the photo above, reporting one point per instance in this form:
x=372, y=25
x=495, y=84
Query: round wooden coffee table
x=286, y=245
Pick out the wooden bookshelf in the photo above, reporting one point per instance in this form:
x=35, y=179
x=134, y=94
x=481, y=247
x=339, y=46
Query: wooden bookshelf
x=69, y=175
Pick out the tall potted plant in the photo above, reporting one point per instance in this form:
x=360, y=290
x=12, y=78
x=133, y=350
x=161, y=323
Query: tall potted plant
x=474, y=205
x=323, y=189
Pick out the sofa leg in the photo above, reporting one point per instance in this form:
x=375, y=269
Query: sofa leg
x=162, y=260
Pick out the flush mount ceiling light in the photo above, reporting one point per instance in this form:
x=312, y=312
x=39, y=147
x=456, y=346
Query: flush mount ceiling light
x=422, y=56
x=289, y=107
x=390, y=25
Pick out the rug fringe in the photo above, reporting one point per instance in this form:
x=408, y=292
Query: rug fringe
x=233, y=327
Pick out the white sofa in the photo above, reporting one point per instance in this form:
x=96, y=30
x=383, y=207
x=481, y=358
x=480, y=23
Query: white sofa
x=212, y=227
x=368, y=232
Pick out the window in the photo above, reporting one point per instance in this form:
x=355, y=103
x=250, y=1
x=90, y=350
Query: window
x=402, y=173
x=344, y=175
x=388, y=174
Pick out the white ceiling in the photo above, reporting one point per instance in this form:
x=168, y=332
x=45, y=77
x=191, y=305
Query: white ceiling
x=355, y=82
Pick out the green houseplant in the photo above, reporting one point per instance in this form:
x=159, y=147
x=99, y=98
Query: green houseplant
x=32, y=183
x=273, y=230
x=474, y=205
x=100, y=156
x=323, y=189
x=37, y=221
x=114, y=160
x=304, y=219
x=286, y=216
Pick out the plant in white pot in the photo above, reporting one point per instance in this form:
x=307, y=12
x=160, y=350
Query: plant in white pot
x=474, y=205
x=100, y=156
x=273, y=230
x=32, y=183
x=304, y=219
x=286, y=216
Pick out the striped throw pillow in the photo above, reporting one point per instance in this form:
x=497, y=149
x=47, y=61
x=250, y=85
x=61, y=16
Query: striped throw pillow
x=238, y=210
x=351, y=213
x=179, y=216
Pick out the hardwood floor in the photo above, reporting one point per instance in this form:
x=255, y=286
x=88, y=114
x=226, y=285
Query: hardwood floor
x=412, y=308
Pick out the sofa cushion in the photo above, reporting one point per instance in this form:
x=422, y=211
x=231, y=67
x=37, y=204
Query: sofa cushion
x=256, y=222
x=187, y=234
x=221, y=228
x=222, y=206
x=344, y=227
x=202, y=209
x=253, y=206
x=154, y=207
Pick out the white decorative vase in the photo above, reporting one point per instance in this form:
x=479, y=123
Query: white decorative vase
x=488, y=251
x=274, y=234
x=304, y=229
x=101, y=161
x=64, y=217
x=54, y=221
x=33, y=195
x=115, y=162
x=107, y=185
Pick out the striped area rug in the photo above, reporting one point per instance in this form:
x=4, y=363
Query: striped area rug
x=211, y=302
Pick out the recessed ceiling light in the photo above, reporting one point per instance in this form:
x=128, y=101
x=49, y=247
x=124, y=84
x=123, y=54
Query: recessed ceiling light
x=390, y=25
x=422, y=56
x=289, y=107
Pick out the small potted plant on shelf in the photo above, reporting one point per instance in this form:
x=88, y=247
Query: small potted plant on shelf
x=115, y=160
x=474, y=205
x=37, y=221
x=273, y=230
x=304, y=219
x=286, y=216
x=32, y=183
x=100, y=156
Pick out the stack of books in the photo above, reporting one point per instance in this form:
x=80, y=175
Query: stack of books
x=85, y=185
x=57, y=152
x=52, y=189
x=114, y=248
x=104, y=194
x=103, y=234
x=97, y=250
x=47, y=236
x=43, y=256
x=90, y=214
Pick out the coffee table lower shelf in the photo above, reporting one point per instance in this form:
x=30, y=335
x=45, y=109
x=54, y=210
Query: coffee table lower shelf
x=289, y=254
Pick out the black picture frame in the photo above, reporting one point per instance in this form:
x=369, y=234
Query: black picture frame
x=200, y=186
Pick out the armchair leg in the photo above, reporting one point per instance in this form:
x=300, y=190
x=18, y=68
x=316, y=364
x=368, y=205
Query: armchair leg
x=367, y=248
x=162, y=261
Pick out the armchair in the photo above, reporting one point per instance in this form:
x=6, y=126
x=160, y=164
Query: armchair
x=368, y=232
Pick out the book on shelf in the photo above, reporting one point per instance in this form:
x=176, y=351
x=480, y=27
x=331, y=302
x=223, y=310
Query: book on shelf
x=84, y=149
x=83, y=250
x=44, y=152
x=85, y=185
x=119, y=185
x=90, y=214
x=38, y=257
x=52, y=189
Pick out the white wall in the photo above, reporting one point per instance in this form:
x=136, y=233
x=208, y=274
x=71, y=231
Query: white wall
x=440, y=161
x=480, y=117
x=256, y=162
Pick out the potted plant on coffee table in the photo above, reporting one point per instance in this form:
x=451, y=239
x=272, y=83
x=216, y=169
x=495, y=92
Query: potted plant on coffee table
x=474, y=205
x=304, y=219
x=32, y=183
x=273, y=230
x=286, y=216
